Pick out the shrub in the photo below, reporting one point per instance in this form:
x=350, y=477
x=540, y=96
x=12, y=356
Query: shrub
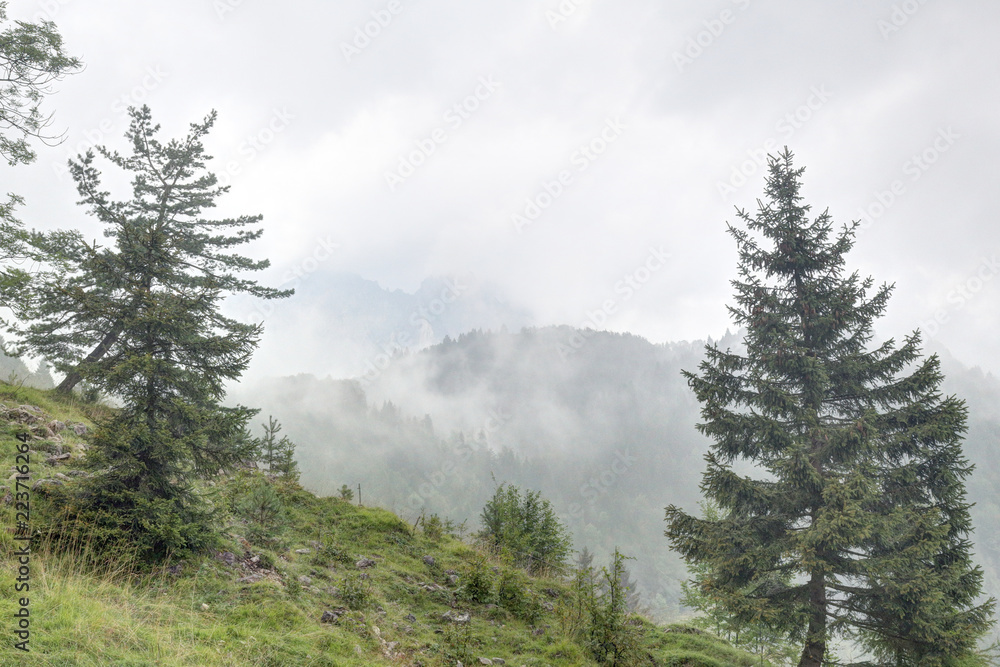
x=263, y=510
x=527, y=528
x=478, y=586
x=515, y=596
x=356, y=592
x=433, y=527
x=610, y=637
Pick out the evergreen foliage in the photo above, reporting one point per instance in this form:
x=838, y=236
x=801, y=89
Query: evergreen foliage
x=165, y=350
x=277, y=454
x=768, y=642
x=263, y=511
x=858, y=525
x=527, y=528
x=165, y=261
x=610, y=637
x=32, y=58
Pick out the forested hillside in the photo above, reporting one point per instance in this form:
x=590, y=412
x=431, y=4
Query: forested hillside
x=605, y=430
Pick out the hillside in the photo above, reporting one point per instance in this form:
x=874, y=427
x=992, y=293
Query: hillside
x=327, y=583
x=602, y=423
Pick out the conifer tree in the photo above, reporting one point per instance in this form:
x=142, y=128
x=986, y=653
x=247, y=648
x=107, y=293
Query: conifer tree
x=855, y=522
x=278, y=454
x=165, y=350
x=89, y=295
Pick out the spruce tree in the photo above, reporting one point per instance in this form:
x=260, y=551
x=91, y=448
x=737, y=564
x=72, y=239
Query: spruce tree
x=89, y=295
x=854, y=522
x=278, y=454
x=166, y=350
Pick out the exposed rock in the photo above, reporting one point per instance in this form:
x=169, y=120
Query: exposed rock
x=249, y=579
x=63, y=477
x=79, y=429
x=47, y=482
x=485, y=661
x=56, y=426
x=303, y=551
x=364, y=563
x=53, y=460
x=227, y=557
x=305, y=581
x=456, y=616
x=429, y=560
x=453, y=579
x=411, y=618
x=331, y=616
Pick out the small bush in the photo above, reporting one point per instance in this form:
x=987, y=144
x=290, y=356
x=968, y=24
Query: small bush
x=610, y=637
x=514, y=595
x=478, y=586
x=356, y=592
x=433, y=527
x=458, y=643
x=264, y=512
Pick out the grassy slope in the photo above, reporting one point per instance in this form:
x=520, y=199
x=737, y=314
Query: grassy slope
x=204, y=616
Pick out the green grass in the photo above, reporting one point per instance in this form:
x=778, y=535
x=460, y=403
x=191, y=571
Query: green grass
x=112, y=614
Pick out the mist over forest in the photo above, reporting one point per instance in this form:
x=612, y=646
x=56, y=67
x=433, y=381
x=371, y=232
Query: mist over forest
x=602, y=423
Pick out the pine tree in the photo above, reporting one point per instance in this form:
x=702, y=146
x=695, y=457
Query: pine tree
x=166, y=350
x=857, y=523
x=89, y=295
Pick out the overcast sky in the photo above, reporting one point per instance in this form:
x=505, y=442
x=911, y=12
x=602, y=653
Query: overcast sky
x=411, y=135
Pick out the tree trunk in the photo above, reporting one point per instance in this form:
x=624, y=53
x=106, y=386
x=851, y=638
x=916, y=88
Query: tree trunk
x=73, y=377
x=815, y=649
